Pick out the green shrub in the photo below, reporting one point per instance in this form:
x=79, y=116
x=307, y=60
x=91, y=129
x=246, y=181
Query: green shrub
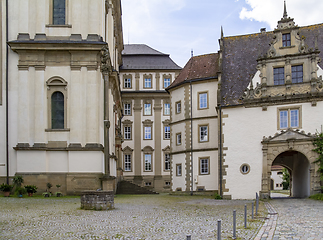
x=18, y=181
x=6, y=187
x=20, y=191
x=217, y=196
x=318, y=196
x=31, y=188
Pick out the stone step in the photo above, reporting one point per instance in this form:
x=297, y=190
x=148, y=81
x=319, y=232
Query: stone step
x=126, y=187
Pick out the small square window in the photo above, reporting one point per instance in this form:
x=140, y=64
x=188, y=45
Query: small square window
x=147, y=162
x=127, y=109
x=204, y=166
x=167, y=109
x=127, y=133
x=167, y=132
x=297, y=74
x=127, y=162
x=147, y=83
x=203, y=101
x=286, y=40
x=204, y=133
x=178, y=139
x=166, y=82
x=167, y=183
x=127, y=83
x=289, y=118
x=279, y=76
x=147, y=184
x=178, y=169
x=167, y=161
x=147, y=109
x=178, y=107
x=147, y=133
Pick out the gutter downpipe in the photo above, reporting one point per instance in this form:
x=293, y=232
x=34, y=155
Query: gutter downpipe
x=192, y=178
x=106, y=126
x=220, y=139
x=7, y=92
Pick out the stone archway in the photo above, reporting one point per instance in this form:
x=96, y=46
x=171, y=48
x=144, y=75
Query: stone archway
x=293, y=143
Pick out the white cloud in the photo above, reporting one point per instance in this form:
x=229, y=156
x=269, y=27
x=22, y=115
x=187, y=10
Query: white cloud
x=270, y=11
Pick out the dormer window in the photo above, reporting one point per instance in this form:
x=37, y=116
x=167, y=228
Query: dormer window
x=297, y=74
x=279, y=76
x=286, y=40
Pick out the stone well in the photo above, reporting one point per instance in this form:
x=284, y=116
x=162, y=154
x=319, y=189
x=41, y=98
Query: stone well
x=97, y=200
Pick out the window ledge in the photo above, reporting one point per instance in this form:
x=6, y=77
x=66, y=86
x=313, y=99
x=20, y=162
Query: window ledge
x=57, y=130
x=287, y=47
x=58, y=26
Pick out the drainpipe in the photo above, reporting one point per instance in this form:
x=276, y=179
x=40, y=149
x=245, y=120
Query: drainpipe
x=192, y=177
x=220, y=148
x=7, y=98
x=106, y=126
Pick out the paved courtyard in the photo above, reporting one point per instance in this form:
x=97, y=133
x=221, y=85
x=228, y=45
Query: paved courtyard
x=134, y=217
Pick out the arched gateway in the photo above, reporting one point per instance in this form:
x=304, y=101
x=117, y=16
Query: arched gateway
x=293, y=150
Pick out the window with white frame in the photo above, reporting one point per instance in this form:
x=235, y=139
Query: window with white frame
x=147, y=162
x=204, y=133
x=167, y=161
x=167, y=132
x=127, y=109
x=147, y=133
x=166, y=82
x=127, y=83
x=289, y=118
x=178, y=107
x=127, y=162
x=127, y=133
x=178, y=169
x=147, y=83
x=147, y=109
x=297, y=74
x=178, y=138
x=203, y=101
x=166, y=108
x=279, y=76
x=204, y=166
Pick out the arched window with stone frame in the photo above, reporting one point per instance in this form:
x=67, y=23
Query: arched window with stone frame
x=57, y=104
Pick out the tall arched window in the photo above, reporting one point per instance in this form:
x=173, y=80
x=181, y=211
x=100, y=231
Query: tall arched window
x=57, y=101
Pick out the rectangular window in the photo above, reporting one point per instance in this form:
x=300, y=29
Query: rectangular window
x=59, y=12
x=167, y=132
x=178, y=107
x=289, y=118
x=127, y=162
x=203, y=100
x=147, y=110
x=204, y=166
x=166, y=82
x=147, y=132
x=167, y=109
x=127, y=133
x=297, y=74
x=127, y=109
x=286, y=40
x=147, y=83
x=178, y=169
x=178, y=139
x=127, y=83
x=204, y=133
x=279, y=76
x=147, y=162
x=167, y=161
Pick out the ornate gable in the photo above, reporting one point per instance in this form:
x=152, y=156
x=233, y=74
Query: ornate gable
x=287, y=135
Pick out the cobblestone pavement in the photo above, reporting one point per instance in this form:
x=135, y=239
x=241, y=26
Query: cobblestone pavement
x=135, y=217
x=298, y=219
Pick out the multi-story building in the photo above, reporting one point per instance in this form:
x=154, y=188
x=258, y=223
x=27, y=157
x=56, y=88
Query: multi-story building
x=194, y=126
x=269, y=106
x=145, y=74
x=59, y=84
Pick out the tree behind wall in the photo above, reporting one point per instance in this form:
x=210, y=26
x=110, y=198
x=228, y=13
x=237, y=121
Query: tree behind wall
x=318, y=144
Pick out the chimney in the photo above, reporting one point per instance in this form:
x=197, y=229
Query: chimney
x=262, y=30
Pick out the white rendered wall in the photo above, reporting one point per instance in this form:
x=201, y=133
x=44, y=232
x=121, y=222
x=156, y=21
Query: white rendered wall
x=178, y=181
x=278, y=179
x=243, y=131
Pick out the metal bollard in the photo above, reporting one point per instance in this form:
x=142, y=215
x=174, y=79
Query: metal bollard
x=234, y=224
x=245, y=216
x=219, y=229
x=257, y=203
x=252, y=206
x=188, y=237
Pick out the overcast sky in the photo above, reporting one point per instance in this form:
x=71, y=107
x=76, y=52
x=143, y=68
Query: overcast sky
x=178, y=26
